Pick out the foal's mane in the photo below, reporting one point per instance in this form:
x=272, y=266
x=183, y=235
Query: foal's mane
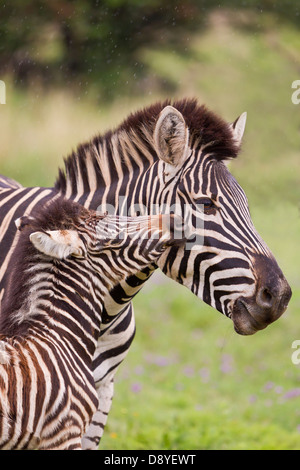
x=61, y=214
x=205, y=127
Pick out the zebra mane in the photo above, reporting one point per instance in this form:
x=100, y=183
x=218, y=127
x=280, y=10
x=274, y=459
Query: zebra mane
x=205, y=127
x=60, y=214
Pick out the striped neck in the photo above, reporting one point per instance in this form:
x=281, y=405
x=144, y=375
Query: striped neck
x=101, y=170
x=48, y=301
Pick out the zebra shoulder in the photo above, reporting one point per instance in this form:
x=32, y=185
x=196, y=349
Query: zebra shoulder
x=8, y=183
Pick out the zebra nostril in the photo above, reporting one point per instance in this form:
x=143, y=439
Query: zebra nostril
x=264, y=298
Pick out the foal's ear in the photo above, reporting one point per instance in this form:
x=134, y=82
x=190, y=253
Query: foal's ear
x=58, y=244
x=171, y=136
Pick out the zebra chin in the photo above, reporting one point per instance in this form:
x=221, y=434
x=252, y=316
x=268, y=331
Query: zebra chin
x=252, y=314
x=243, y=321
x=268, y=302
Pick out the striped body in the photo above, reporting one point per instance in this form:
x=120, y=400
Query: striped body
x=51, y=327
x=162, y=158
x=47, y=393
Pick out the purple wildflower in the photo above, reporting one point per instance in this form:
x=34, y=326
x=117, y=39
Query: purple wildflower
x=293, y=393
x=252, y=398
x=226, y=364
x=188, y=371
x=136, y=387
x=204, y=374
x=268, y=386
x=160, y=361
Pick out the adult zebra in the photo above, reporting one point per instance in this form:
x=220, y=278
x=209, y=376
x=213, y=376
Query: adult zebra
x=165, y=156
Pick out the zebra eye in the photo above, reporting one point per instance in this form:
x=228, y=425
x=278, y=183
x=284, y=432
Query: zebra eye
x=209, y=206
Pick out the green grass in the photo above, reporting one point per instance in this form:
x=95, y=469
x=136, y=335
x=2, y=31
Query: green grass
x=190, y=382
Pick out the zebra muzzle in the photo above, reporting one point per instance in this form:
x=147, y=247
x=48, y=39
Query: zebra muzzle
x=250, y=315
x=268, y=302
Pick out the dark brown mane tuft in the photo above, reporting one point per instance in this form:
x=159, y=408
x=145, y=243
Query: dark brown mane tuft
x=147, y=116
x=204, y=125
x=60, y=214
x=206, y=129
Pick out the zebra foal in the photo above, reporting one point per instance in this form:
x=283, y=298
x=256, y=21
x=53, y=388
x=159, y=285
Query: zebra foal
x=66, y=259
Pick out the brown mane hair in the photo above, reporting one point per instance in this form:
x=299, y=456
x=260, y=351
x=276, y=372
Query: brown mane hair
x=61, y=214
x=205, y=127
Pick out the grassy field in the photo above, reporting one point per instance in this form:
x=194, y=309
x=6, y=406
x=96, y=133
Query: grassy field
x=189, y=382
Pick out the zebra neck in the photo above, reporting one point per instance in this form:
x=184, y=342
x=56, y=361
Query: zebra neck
x=107, y=167
x=117, y=173
x=50, y=301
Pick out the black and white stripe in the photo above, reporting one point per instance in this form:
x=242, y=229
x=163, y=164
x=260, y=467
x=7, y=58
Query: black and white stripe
x=163, y=157
x=64, y=262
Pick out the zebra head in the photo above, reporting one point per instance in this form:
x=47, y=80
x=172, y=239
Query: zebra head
x=225, y=263
x=112, y=247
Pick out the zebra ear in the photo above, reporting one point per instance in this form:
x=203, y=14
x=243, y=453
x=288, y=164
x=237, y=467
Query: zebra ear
x=171, y=136
x=238, y=127
x=59, y=244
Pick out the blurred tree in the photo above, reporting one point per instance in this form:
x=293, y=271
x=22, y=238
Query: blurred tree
x=96, y=41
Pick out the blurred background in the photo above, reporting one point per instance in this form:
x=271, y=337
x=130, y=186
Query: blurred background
x=73, y=69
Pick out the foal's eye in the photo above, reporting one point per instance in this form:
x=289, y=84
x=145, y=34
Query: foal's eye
x=208, y=205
